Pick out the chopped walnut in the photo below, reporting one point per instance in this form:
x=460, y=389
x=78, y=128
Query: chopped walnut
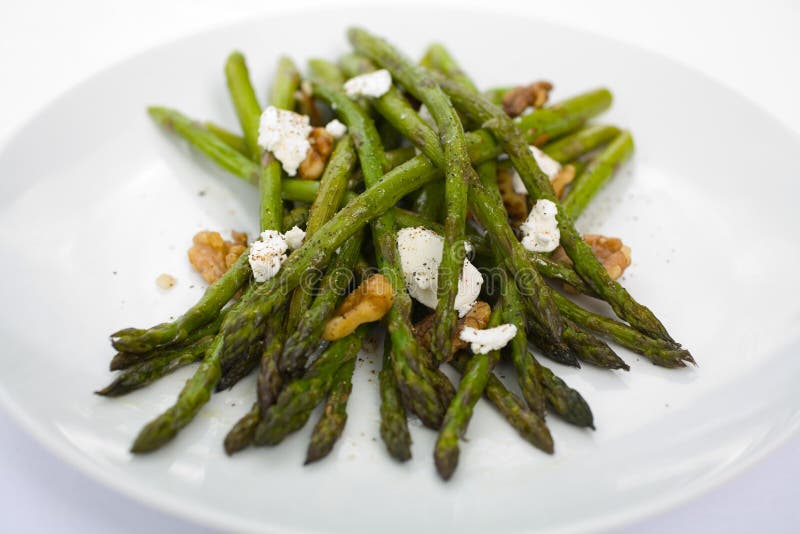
x=317, y=157
x=516, y=203
x=535, y=95
x=561, y=180
x=211, y=255
x=477, y=317
x=307, y=106
x=166, y=281
x=610, y=251
x=369, y=302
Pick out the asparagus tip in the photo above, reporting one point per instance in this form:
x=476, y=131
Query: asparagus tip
x=446, y=461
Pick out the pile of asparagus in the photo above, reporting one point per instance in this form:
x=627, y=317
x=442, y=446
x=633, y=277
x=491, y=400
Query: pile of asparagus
x=394, y=170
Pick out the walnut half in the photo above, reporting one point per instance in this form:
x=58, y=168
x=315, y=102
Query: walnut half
x=518, y=99
x=516, y=203
x=317, y=156
x=369, y=302
x=211, y=255
x=610, y=251
x=477, y=317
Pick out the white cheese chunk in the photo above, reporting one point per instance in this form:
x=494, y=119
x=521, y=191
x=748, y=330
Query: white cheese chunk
x=294, y=237
x=489, y=339
x=548, y=165
x=336, y=128
x=374, y=84
x=540, y=230
x=267, y=255
x=420, y=255
x=285, y=134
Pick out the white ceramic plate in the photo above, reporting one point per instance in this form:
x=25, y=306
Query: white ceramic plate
x=96, y=202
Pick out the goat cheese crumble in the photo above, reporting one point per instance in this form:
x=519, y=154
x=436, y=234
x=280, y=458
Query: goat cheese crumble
x=294, y=237
x=285, y=134
x=267, y=255
x=548, y=165
x=489, y=339
x=336, y=128
x=420, y=256
x=540, y=230
x=374, y=84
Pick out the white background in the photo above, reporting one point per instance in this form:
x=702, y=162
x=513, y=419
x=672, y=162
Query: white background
x=47, y=46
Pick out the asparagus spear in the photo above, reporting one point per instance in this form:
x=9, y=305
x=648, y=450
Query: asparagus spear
x=225, y=156
x=124, y=360
x=472, y=385
x=334, y=416
x=661, y=353
x=528, y=374
x=581, y=142
x=192, y=397
x=231, y=139
x=245, y=103
x=553, y=121
x=394, y=425
x=538, y=185
x=148, y=371
x=529, y=425
x=308, y=332
x=243, y=432
x=299, y=398
x=596, y=174
x=591, y=350
x=566, y=402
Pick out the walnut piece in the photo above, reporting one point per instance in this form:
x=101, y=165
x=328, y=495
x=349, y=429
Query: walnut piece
x=610, y=251
x=477, y=317
x=166, y=281
x=520, y=98
x=516, y=203
x=369, y=302
x=211, y=255
x=317, y=157
x=561, y=180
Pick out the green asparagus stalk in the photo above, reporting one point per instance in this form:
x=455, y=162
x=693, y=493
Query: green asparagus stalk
x=538, y=185
x=125, y=360
x=307, y=334
x=193, y=396
x=148, y=371
x=324, y=71
x=528, y=374
x=225, y=156
x=529, y=425
x=566, y=402
x=231, y=139
x=591, y=350
x=472, y=385
x=553, y=121
x=243, y=432
x=299, y=398
x=597, y=173
x=334, y=416
x=581, y=142
x=394, y=425
x=661, y=353
x=245, y=102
